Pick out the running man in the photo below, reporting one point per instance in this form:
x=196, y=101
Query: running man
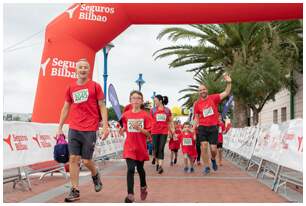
x=84, y=104
x=206, y=119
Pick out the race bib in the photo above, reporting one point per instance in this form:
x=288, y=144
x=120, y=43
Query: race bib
x=161, y=117
x=208, y=112
x=130, y=128
x=187, y=141
x=80, y=96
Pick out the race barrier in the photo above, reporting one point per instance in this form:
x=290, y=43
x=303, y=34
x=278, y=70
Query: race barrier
x=30, y=145
x=276, y=149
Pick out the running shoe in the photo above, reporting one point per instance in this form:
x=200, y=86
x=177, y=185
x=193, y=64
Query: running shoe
x=214, y=165
x=74, y=195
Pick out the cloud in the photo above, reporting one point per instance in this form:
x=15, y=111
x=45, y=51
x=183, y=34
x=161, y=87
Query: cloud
x=131, y=55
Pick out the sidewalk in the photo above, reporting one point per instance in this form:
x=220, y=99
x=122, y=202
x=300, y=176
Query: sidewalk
x=229, y=184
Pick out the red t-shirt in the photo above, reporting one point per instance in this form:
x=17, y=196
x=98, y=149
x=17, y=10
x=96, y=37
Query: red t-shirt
x=175, y=144
x=188, y=143
x=84, y=108
x=160, y=121
x=135, y=146
x=127, y=108
x=207, y=109
x=221, y=131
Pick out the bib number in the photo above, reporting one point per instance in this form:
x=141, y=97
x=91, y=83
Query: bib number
x=161, y=117
x=80, y=96
x=187, y=141
x=208, y=112
x=130, y=122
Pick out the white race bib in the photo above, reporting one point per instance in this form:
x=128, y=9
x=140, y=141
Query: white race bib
x=208, y=112
x=187, y=141
x=161, y=117
x=80, y=96
x=130, y=128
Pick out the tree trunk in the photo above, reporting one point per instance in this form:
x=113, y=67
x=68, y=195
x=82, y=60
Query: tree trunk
x=255, y=116
x=240, y=114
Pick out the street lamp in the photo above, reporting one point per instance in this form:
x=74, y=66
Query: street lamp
x=105, y=75
x=140, y=82
x=154, y=94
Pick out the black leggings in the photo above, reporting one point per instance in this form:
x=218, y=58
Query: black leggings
x=131, y=164
x=159, y=142
x=198, y=145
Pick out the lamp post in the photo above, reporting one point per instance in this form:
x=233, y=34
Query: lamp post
x=105, y=75
x=140, y=82
x=154, y=93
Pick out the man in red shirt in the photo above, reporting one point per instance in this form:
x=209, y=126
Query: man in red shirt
x=206, y=119
x=83, y=103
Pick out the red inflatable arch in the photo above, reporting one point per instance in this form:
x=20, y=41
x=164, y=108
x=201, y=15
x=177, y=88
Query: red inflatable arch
x=83, y=29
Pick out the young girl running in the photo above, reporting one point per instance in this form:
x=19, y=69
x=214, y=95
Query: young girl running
x=136, y=123
x=187, y=139
x=174, y=143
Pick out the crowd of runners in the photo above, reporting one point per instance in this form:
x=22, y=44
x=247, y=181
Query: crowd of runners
x=147, y=132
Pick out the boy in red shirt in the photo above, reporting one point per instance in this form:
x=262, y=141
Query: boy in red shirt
x=136, y=123
x=206, y=121
x=174, y=143
x=187, y=140
x=84, y=104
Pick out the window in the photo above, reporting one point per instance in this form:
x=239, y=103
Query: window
x=284, y=114
x=275, y=116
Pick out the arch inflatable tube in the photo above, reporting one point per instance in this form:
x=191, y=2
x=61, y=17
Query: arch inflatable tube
x=83, y=29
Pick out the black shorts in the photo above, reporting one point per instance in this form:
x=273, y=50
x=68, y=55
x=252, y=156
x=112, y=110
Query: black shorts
x=82, y=143
x=174, y=150
x=220, y=145
x=208, y=134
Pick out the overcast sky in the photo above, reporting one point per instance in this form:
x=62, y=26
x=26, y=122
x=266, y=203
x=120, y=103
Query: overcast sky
x=131, y=55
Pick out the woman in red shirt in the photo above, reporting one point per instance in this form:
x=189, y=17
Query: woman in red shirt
x=136, y=123
x=161, y=120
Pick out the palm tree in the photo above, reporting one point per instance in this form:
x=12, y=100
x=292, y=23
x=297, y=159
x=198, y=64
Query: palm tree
x=219, y=45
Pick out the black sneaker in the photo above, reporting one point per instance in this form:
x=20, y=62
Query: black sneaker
x=153, y=161
x=160, y=170
x=74, y=195
x=97, y=182
x=129, y=199
x=175, y=160
x=214, y=165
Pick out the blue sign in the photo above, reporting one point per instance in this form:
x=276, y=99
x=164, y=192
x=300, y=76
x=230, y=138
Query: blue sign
x=112, y=97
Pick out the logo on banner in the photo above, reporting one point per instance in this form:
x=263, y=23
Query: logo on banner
x=71, y=11
x=19, y=141
x=300, y=146
x=91, y=13
x=43, y=66
x=43, y=141
x=60, y=68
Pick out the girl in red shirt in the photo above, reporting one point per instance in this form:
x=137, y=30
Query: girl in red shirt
x=174, y=143
x=136, y=124
x=187, y=139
